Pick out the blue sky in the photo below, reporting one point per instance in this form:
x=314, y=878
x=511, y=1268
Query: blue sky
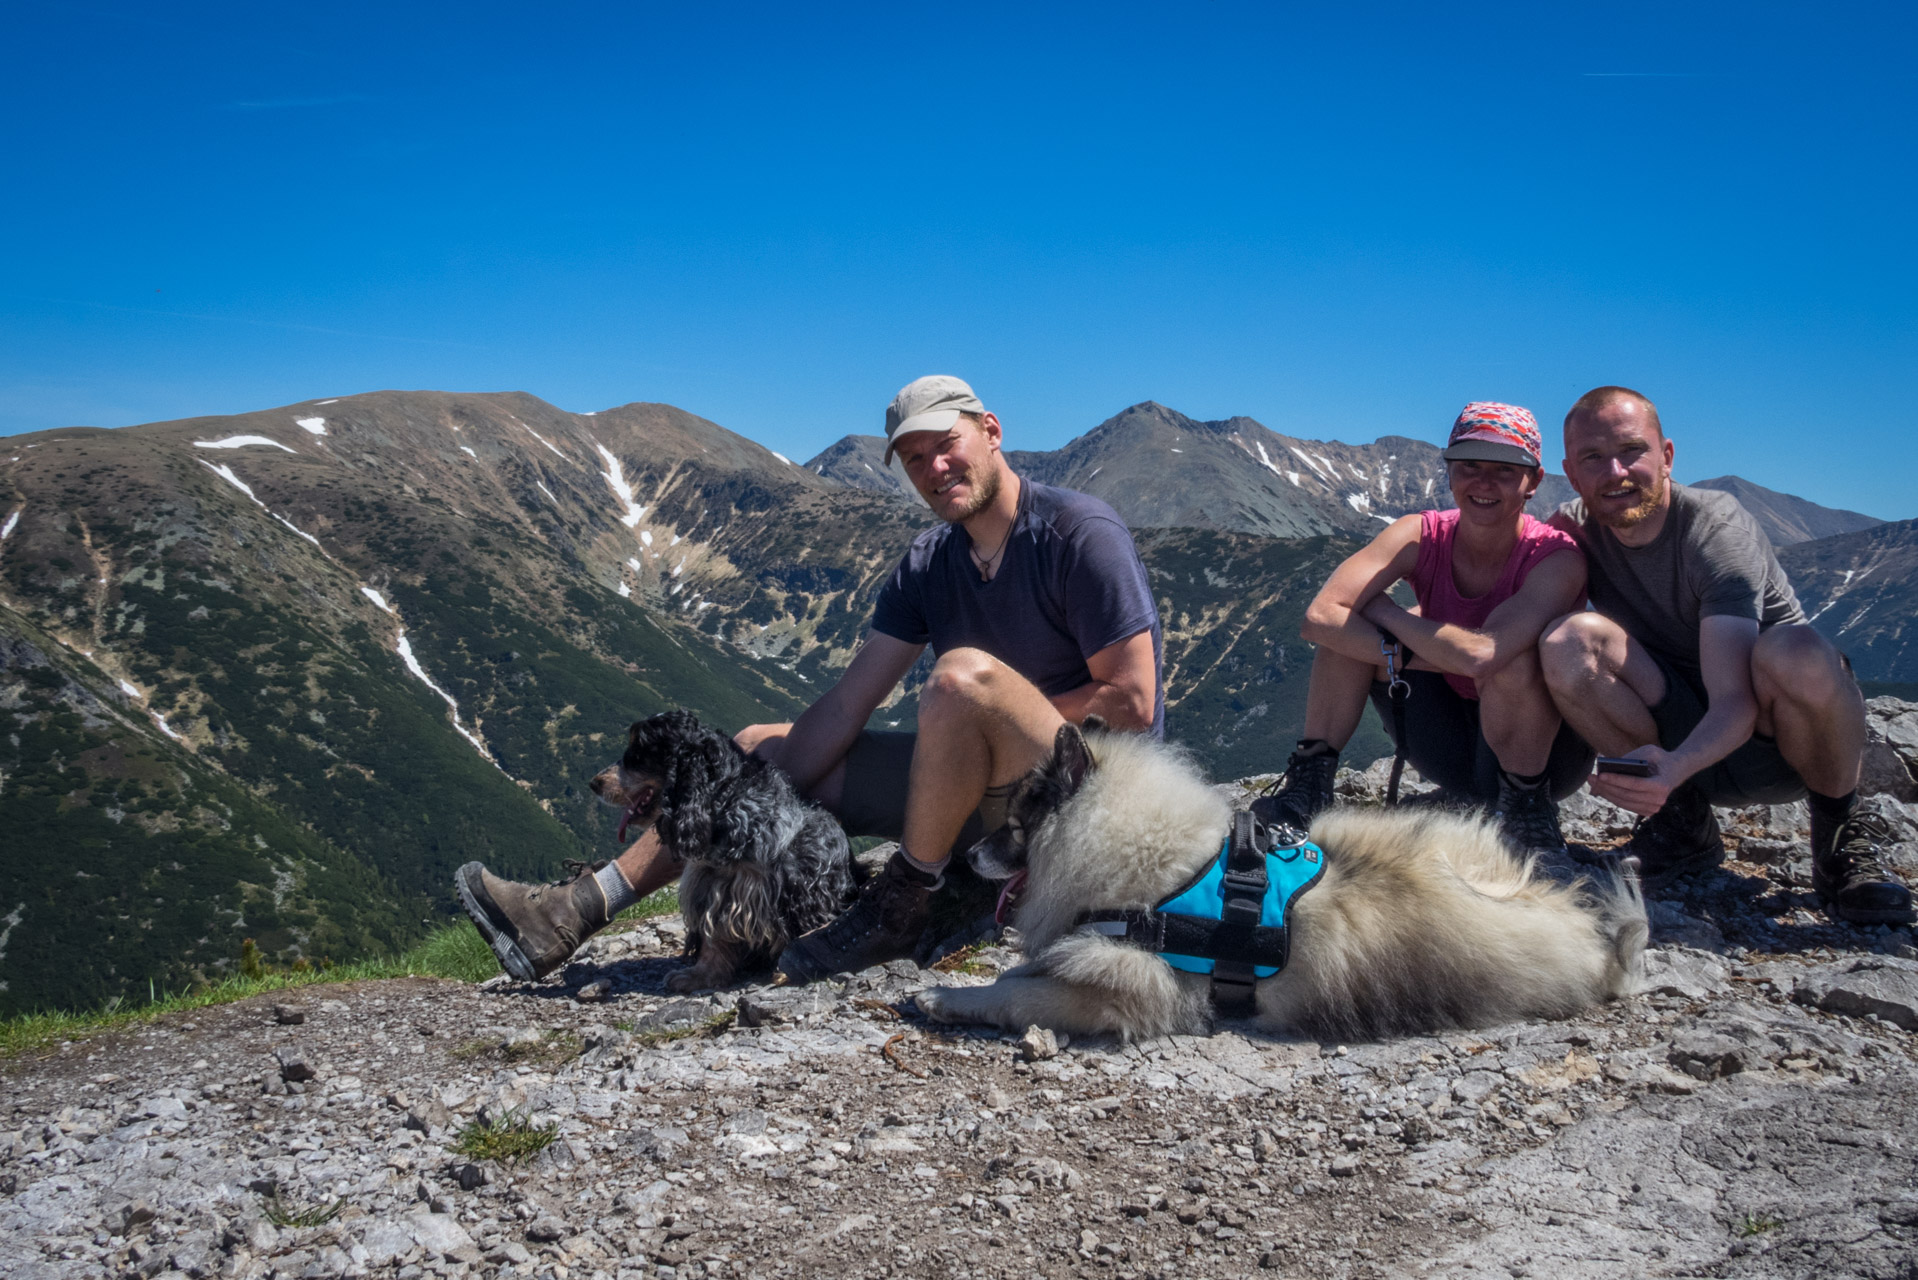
x=1341, y=220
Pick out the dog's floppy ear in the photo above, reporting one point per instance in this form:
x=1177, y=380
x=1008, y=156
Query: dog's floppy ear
x=1071, y=757
x=703, y=760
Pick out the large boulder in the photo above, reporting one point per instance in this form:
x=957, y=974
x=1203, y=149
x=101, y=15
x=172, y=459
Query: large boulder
x=1891, y=749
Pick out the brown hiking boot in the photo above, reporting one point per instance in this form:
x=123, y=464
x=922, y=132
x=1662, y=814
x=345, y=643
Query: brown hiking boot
x=883, y=923
x=533, y=928
x=1848, y=871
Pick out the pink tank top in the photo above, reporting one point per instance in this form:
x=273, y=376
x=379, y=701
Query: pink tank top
x=1438, y=594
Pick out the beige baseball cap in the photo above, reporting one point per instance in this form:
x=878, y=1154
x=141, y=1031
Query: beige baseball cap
x=932, y=403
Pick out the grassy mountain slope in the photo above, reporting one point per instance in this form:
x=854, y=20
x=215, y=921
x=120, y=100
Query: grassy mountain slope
x=130, y=859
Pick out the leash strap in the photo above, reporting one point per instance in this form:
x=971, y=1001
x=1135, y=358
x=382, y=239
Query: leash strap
x=1392, y=649
x=1243, y=887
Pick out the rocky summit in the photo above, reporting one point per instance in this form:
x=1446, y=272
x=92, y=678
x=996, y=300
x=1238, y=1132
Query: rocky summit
x=1747, y=1113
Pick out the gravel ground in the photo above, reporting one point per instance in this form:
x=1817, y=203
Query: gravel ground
x=1749, y=1114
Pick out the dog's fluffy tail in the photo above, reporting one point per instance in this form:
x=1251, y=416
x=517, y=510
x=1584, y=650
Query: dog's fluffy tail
x=1426, y=921
x=1623, y=906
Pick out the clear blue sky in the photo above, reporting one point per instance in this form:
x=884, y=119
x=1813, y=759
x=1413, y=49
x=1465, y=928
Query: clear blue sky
x=1342, y=220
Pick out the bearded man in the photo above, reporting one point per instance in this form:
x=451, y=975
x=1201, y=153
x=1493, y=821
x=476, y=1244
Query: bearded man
x=1697, y=659
x=1038, y=611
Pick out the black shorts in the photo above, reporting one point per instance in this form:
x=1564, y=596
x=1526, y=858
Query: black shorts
x=873, y=800
x=1753, y=774
x=1444, y=742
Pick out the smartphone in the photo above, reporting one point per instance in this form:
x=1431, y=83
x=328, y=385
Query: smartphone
x=1627, y=765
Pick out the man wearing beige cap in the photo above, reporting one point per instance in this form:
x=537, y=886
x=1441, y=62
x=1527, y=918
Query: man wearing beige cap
x=1037, y=608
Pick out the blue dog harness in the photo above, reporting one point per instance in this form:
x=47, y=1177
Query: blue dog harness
x=1230, y=919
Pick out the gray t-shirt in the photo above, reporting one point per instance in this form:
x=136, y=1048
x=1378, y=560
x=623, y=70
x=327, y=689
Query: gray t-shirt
x=1710, y=560
x=1071, y=584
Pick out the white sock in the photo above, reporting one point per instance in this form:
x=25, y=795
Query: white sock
x=612, y=883
x=934, y=870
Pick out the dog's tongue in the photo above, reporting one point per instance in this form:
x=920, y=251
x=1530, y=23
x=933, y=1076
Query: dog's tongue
x=1009, y=895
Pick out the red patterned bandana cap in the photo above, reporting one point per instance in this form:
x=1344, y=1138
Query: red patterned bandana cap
x=1487, y=431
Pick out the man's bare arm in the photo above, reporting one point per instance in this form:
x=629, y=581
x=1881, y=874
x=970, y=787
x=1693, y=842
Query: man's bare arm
x=825, y=731
x=1725, y=654
x=1124, y=688
x=1725, y=659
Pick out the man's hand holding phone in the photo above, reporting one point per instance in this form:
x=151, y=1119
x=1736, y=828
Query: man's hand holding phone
x=1640, y=780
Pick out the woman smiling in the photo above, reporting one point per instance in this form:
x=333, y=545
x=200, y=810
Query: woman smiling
x=1475, y=716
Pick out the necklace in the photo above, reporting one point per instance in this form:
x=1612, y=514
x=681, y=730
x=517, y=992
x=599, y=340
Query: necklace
x=987, y=564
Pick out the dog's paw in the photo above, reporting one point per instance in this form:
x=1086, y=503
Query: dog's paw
x=689, y=980
x=934, y=1004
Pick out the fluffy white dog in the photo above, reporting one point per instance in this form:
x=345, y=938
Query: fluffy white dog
x=1420, y=921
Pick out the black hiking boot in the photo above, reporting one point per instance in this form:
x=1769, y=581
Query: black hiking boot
x=1290, y=804
x=1848, y=871
x=533, y=928
x=883, y=923
x=1681, y=839
x=1528, y=816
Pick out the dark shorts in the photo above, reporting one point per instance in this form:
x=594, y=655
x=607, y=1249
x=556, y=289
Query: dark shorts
x=873, y=801
x=1444, y=743
x=1753, y=774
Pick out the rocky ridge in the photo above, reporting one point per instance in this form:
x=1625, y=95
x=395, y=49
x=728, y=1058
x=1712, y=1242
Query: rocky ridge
x=1749, y=1113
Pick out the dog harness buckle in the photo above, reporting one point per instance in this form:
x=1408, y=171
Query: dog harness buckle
x=1229, y=921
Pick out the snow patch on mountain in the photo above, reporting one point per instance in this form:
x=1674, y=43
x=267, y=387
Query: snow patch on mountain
x=542, y=439
x=314, y=426
x=616, y=480
x=404, y=648
x=240, y=442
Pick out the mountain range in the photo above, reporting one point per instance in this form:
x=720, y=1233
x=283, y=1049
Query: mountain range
x=273, y=676
x=1161, y=469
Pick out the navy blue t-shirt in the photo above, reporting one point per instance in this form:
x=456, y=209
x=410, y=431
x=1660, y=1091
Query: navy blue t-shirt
x=1071, y=583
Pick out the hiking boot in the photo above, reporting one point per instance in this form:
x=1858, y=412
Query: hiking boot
x=533, y=928
x=1301, y=791
x=1681, y=839
x=1528, y=816
x=883, y=923
x=1848, y=871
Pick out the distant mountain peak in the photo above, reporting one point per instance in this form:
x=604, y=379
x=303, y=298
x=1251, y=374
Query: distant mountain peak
x=1786, y=519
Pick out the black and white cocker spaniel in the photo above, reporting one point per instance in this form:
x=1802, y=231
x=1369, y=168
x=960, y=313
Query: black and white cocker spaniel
x=763, y=866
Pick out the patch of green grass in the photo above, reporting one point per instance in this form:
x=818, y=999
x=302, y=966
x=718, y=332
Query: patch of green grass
x=281, y=1214
x=455, y=951
x=1757, y=1224
x=509, y=1138
x=661, y=902
x=653, y=1038
x=552, y=1048
x=966, y=960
